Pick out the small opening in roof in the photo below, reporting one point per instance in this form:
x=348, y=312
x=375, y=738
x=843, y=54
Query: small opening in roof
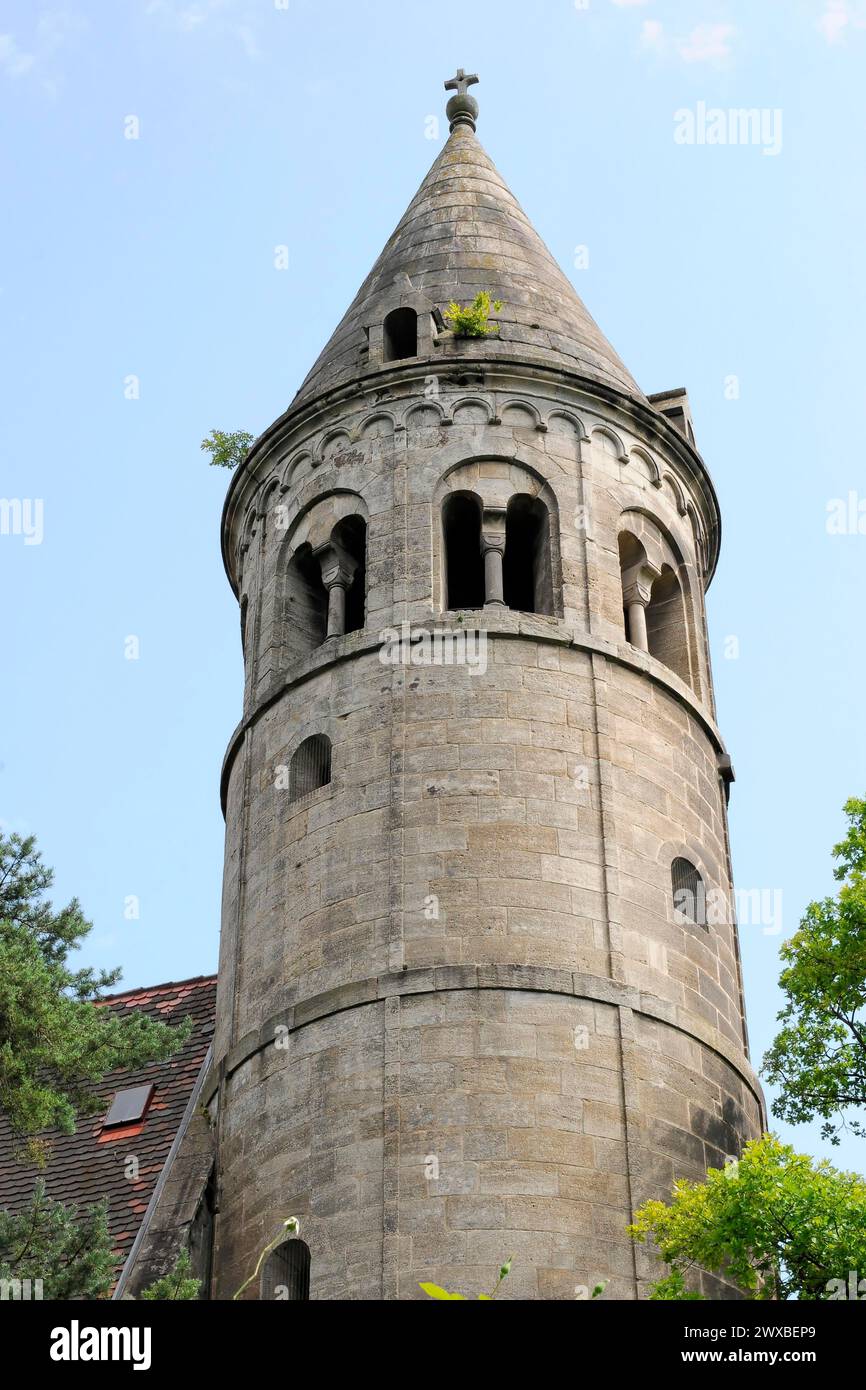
x=400, y=335
x=128, y=1107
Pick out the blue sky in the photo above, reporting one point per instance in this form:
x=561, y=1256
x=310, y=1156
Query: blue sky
x=305, y=125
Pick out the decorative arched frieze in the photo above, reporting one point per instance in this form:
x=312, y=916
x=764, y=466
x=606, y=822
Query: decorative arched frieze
x=676, y=489
x=423, y=415
x=470, y=410
x=331, y=444
x=380, y=425
x=644, y=457
x=566, y=422
x=609, y=441
x=519, y=414
x=298, y=466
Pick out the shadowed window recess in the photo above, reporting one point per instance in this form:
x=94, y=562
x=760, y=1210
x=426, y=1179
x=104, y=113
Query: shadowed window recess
x=306, y=604
x=400, y=335
x=526, y=578
x=689, y=892
x=667, y=634
x=654, y=609
x=201, y=1237
x=464, y=562
x=310, y=766
x=286, y=1275
x=245, y=603
x=350, y=537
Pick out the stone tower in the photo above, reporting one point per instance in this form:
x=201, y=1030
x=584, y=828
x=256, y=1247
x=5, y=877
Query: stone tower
x=480, y=990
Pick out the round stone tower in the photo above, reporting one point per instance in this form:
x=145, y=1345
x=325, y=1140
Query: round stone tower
x=480, y=990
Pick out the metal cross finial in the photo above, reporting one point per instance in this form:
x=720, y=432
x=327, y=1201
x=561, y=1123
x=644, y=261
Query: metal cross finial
x=460, y=83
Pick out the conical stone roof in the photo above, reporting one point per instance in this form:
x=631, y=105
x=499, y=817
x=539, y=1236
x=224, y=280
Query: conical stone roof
x=464, y=231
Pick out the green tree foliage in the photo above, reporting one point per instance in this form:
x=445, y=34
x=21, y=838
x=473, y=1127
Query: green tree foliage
x=69, y=1249
x=473, y=320
x=777, y=1223
x=178, y=1284
x=818, y=1059
x=54, y=1042
x=227, y=450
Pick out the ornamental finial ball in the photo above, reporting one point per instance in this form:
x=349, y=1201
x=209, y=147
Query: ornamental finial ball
x=462, y=109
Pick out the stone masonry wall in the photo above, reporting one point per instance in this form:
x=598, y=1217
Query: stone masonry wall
x=469, y=933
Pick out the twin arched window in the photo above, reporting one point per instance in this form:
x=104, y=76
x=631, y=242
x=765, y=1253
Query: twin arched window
x=496, y=558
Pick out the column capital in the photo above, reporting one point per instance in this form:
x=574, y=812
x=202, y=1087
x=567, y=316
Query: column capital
x=637, y=583
x=337, y=565
x=493, y=530
x=637, y=591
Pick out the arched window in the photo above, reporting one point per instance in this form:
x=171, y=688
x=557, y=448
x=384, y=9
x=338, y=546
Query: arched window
x=326, y=587
x=400, y=337
x=310, y=766
x=667, y=634
x=654, y=609
x=350, y=535
x=286, y=1274
x=307, y=604
x=464, y=564
x=689, y=892
x=526, y=577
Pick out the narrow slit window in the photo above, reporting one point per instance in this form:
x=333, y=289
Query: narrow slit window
x=244, y=607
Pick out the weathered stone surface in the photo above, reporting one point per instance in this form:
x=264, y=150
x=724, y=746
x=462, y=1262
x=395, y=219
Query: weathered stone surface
x=501, y=1035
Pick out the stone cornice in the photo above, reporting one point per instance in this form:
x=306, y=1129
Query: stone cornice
x=378, y=387
x=444, y=978
x=506, y=625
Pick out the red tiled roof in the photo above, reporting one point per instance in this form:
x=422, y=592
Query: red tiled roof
x=90, y=1164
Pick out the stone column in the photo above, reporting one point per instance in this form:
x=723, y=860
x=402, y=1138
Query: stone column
x=493, y=550
x=338, y=571
x=336, y=607
x=636, y=596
